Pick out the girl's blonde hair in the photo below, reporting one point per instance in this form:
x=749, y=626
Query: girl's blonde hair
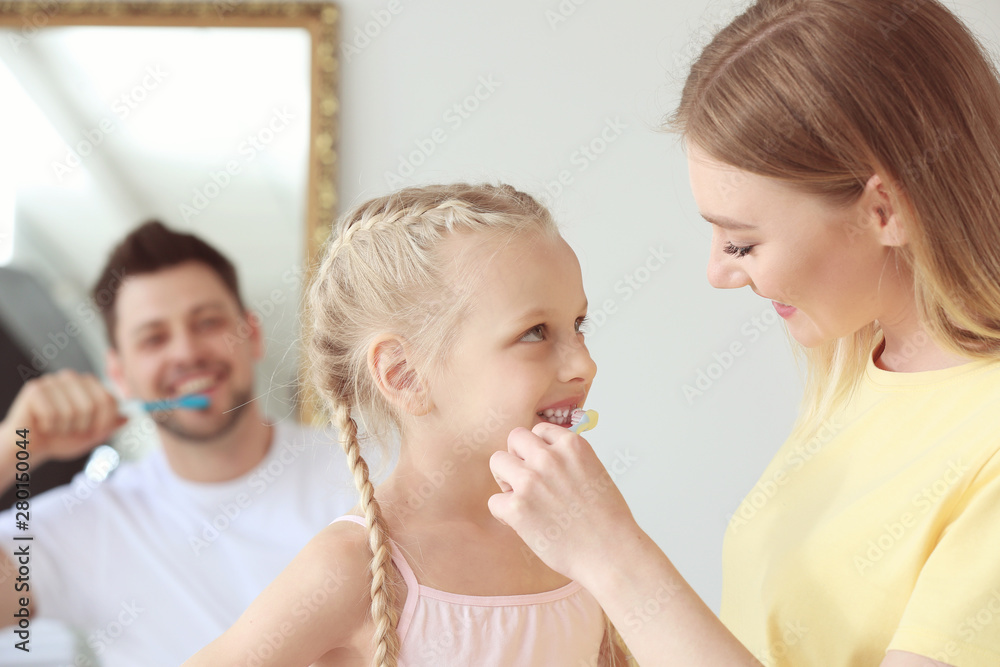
x=823, y=94
x=386, y=270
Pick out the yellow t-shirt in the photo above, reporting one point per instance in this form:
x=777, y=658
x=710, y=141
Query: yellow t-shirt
x=880, y=533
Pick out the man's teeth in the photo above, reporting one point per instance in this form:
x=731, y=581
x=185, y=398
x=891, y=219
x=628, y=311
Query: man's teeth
x=194, y=386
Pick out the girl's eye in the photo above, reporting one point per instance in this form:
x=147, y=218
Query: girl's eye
x=535, y=334
x=583, y=325
x=737, y=251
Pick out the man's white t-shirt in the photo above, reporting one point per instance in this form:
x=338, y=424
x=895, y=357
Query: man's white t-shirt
x=149, y=568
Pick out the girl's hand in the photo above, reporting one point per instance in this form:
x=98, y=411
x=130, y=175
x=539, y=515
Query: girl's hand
x=560, y=499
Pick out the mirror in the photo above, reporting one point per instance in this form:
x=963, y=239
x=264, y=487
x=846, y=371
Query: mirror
x=217, y=118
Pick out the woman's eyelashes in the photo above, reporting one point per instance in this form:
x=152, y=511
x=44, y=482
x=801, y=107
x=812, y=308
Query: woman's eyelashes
x=736, y=251
x=538, y=332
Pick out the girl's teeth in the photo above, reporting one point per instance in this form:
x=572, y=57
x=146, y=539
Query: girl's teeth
x=558, y=416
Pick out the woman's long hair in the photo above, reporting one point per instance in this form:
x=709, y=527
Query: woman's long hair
x=823, y=94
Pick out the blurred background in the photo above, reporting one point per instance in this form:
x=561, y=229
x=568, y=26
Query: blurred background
x=563, y=98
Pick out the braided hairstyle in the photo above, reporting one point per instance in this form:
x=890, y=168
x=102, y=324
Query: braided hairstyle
x=384, y=270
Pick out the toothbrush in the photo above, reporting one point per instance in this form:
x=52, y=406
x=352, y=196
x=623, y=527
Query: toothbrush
x=189, y=402
x=582, y=420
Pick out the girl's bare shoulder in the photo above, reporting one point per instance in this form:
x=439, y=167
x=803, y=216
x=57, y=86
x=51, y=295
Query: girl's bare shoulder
x=315, y=609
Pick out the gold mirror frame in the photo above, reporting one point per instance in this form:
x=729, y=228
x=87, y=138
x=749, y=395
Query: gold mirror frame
x=320, y=19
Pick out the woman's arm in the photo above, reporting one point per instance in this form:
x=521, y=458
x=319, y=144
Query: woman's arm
x=564, y=505
x=319, y=603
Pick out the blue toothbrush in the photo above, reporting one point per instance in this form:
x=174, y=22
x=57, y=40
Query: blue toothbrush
x=189, y=402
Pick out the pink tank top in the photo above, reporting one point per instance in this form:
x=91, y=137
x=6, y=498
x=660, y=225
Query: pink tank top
x=562, y=627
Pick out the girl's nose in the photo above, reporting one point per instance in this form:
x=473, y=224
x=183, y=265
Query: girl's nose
x=576, y=362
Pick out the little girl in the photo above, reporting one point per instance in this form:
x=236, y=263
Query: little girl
x=448, y=315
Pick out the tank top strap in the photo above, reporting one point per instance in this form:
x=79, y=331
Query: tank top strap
x=409, y=578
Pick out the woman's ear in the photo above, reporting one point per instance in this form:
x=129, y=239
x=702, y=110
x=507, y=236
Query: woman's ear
x=390, y=363
x=881, y=210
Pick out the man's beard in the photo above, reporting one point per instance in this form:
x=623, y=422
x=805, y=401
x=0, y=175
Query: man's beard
x=169, y=421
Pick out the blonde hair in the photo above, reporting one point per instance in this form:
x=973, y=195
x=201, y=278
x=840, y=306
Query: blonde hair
x=823, y=94
x=386, y=270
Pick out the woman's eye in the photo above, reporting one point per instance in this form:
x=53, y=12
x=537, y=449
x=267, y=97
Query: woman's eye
x=583, y=325
x=534, y=334
x=737, y=251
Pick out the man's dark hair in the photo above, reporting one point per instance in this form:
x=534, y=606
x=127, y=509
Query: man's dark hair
x=149, y=248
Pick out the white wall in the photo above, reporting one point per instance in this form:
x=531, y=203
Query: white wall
x=614, y=68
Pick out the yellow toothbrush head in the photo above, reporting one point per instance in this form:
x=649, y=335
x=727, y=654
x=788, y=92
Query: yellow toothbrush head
x=583, y=420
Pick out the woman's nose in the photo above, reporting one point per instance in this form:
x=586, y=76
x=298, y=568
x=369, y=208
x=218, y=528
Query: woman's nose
x=724, y=270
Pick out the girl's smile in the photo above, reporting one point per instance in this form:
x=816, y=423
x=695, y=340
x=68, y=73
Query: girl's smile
x=521, y=349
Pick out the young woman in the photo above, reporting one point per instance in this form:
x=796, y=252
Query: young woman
x=847, y=156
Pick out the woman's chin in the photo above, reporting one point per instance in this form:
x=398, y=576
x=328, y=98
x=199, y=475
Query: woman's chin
x=806, y=334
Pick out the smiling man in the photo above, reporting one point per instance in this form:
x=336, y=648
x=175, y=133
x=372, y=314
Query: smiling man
x=165, y=554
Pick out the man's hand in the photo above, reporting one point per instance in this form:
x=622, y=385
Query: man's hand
x=67, y=414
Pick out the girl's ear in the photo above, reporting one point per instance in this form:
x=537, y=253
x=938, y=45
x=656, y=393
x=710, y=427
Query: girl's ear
x=879, y=204
x=391, y=367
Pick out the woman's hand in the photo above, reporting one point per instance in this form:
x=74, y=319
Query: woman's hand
x=560, y=499
x=564, y=505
